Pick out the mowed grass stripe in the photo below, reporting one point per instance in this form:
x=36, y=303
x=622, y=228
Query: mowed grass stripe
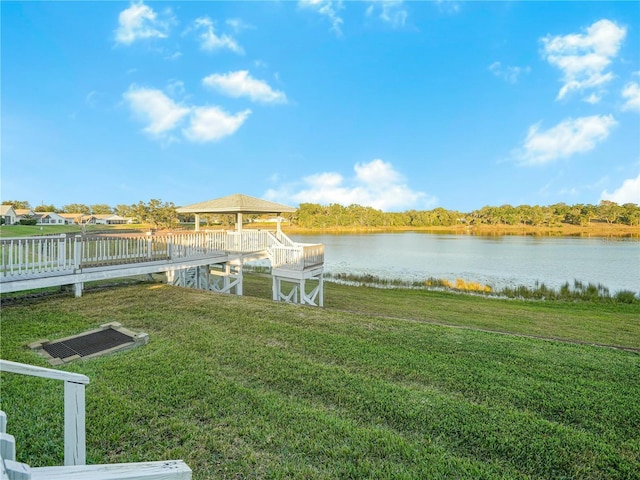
x=244, y=387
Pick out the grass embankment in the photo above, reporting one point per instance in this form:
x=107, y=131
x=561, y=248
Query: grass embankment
x=241, y=387
x=11, y=231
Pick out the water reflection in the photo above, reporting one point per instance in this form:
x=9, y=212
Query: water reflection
x=499, y=261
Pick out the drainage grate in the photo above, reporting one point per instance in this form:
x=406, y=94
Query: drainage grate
x=110, y=337
x=89, y=344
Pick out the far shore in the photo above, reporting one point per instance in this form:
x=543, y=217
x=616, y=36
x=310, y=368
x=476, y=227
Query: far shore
x=594, y=230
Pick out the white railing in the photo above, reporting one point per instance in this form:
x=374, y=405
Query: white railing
x=35, y=256
x=298, y=257
x=97, y=251
x=74, y=406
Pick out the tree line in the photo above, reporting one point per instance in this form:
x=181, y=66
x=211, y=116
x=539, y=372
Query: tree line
x=311, y=215
x=155, y=212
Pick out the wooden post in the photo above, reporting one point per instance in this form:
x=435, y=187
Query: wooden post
x=77, y=252
x=239, y=222
x=149, y=245
x=77, y=289
x=275, y=292
x=3, y=422
x=197, y=215
x=74, y=424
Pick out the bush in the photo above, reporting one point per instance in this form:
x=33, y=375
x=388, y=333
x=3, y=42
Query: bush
x=28, y=221
x=626, y=296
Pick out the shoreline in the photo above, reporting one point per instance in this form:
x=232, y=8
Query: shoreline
x=600, y=230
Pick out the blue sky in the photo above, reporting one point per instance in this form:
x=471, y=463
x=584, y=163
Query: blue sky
x=396, y=105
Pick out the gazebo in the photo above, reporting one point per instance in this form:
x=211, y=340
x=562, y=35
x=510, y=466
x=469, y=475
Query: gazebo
x=292, y=263
x=237, y=204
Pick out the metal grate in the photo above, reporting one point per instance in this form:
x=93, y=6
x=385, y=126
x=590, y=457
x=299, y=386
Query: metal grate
x=89, y=344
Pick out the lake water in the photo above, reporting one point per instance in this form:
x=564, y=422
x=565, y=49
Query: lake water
x=498, y=261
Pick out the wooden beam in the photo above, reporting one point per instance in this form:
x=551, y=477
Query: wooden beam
x=162, y=470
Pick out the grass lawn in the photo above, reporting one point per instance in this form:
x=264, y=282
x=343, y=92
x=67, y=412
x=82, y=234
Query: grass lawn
x=11, y=231
x=242, y=387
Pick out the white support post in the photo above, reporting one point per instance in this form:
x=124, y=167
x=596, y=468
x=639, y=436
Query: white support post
x=3, y=422
x=275, y=289
x=303, y=292
x=7, y=446
x=197, y=215
x=74, y=424
x=77, y=252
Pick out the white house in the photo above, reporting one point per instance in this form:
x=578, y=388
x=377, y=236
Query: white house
x=8, y=213
x=110, y=219
x=77, y=218
x=49, y=218
x=24, y=212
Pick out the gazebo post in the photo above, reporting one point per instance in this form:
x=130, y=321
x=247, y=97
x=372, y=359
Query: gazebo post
x=197, y=222
x=278, y=220
x=239, y=222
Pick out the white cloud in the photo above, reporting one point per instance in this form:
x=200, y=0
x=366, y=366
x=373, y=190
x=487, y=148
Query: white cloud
x=152, y=106
x=565, y=139
x=631, y=93
x=593, y=99
x=163, y=115
x=510, y=74
x=210, y=42
x=326, y=8
x=238, y=25
x=391, y=11
x=241, y=84
x=629, y=192
x=583, y=58
x=140, y=21
x=212, y=124
x=376, y=184
x=448, y=6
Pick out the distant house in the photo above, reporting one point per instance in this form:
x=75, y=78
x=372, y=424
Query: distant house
x=110, y=219
x=24, y=213
x=8, y=213
x=78, y=218
x=49, y=218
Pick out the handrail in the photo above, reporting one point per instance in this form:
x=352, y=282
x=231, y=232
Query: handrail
x=74, y=406
x=29, y=257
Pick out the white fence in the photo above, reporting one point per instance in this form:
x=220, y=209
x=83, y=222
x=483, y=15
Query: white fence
x=74, y=406
x=299, y=257
x=57, y=255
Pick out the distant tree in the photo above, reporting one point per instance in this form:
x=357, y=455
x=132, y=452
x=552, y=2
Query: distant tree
x=76, y=208
x=124, y=210
x=609, y=211
x=45, y=208
x=20, y=204
x=630, y=214
x=101, y=209
x=157, y=213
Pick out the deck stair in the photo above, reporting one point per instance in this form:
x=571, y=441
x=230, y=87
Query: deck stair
x=74, y=442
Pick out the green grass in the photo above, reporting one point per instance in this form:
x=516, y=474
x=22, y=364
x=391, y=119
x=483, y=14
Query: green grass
x=241, y=387
x=11, y=231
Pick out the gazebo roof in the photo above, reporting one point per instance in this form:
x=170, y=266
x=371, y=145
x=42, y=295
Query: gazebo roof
x=236, y=203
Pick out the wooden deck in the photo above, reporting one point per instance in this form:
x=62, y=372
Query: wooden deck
x=39, y=262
